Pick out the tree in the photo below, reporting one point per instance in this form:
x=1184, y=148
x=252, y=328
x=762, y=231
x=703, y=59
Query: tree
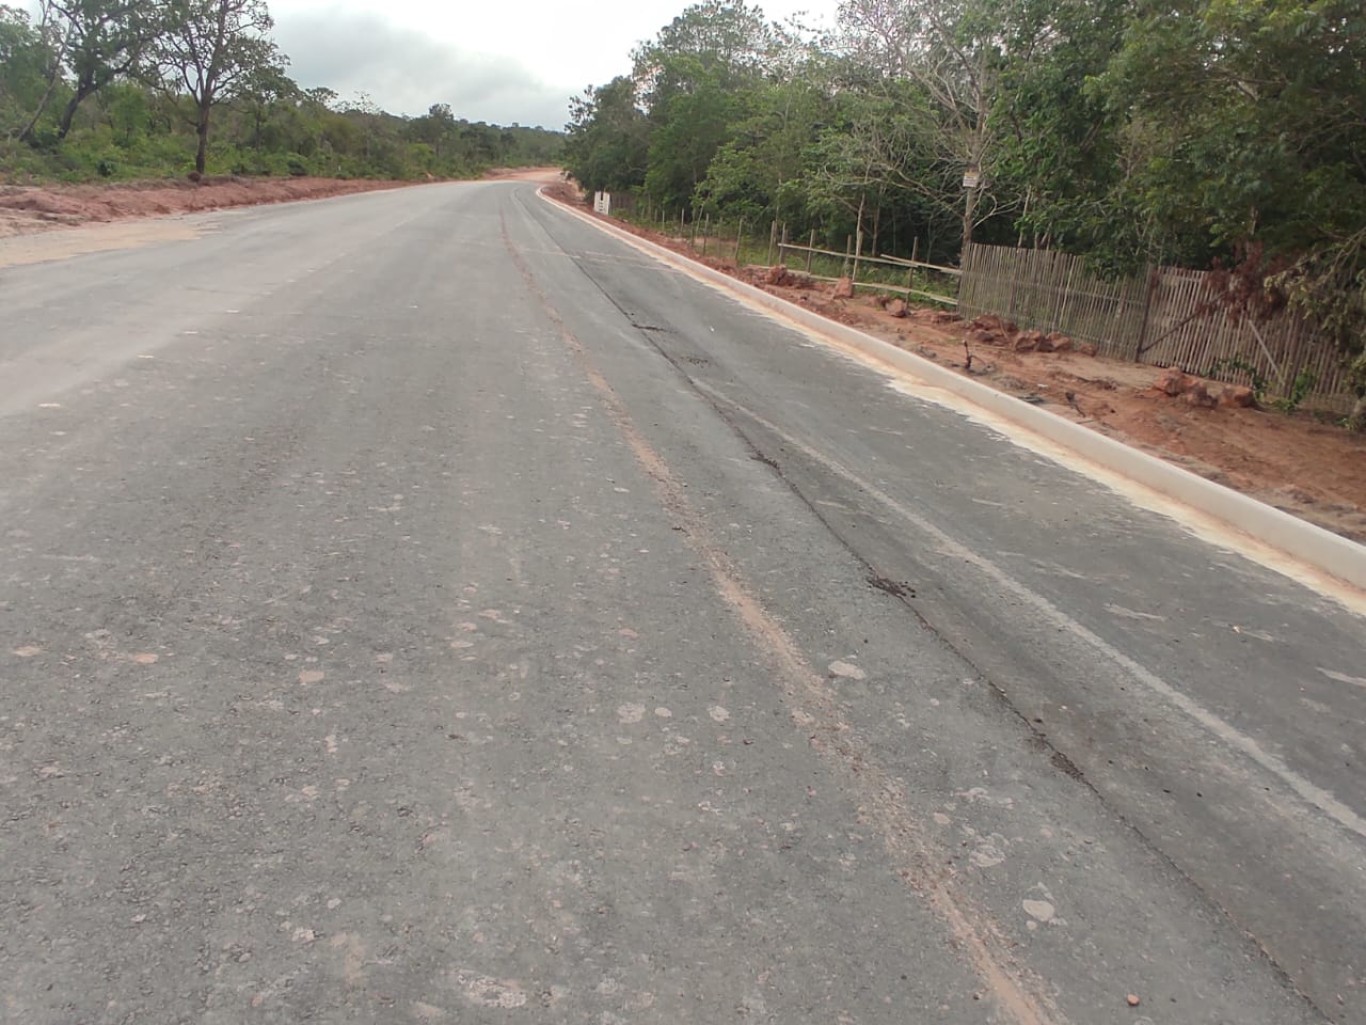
x=27, y=60
x=1059, y=137
x=435, y=128
x=106, y=40
x=608, y=138
x=759, y=171
x=45, y=44
x=262, y=90
x=211, y=52
x=694, y=78
x=952, y=50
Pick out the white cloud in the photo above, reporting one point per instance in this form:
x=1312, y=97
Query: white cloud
x=406, y=71
x=491, y=60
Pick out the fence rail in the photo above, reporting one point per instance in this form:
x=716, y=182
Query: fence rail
x=1167, y=317
x=853, y=260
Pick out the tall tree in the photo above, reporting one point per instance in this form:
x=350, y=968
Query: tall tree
x=49, y=45
x=106, y=39
x=953, y=51
x=27, y=60
x=608, y=138
x=212, y=52
x=694, y=77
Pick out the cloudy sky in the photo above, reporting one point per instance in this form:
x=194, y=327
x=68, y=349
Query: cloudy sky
x=501, y=61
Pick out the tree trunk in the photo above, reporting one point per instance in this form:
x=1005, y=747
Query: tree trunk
x=969, y=216
x=54, y=76
x=201, y=154
x=83, y=90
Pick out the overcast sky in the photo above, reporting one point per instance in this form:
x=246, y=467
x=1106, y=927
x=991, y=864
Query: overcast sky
x=501, y=61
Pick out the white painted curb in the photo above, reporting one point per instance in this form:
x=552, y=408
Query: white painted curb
x=1322, y=549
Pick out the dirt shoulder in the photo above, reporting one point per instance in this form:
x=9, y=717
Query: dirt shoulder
x=1309, y=468
x=27, y=209
x=548, y=175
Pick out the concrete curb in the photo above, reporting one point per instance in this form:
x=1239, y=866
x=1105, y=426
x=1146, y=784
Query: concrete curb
x=1322, y=549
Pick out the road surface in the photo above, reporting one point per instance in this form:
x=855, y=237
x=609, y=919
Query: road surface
x=421, y=606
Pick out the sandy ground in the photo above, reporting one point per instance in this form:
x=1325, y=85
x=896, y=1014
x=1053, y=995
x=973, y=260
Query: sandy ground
x=549, y=175
x=1315, y=470
x=28, y=209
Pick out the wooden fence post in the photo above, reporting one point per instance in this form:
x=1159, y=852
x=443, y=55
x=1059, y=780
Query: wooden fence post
x=739, y=239
x=810, y=246
x=1149, y=291
x=858, y=252
x=772, y=241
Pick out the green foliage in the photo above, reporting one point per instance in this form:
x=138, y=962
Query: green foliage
x=1256, y=379
x=608, y=138
x=1300, y=387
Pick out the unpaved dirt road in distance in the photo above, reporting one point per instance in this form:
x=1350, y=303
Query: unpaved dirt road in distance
x=421, y=606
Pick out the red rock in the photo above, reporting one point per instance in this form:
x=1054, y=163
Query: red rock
x=1085, y=348
x=1028, y=341
x=844, y=289
x=777, y=275
x=1198, y=395
x=1059, y=341
x=897, y=308
x=1237, y=396
x=1172, y=382
x=991, y=322
x=984, y=337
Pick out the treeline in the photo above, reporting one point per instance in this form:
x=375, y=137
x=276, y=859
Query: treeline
x=142, y=88
x=1192, y=132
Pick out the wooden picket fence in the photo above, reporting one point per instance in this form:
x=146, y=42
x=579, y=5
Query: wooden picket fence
x=1167, y=317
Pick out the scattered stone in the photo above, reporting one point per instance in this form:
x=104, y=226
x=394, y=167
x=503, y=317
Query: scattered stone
x=1085, y=348
x=1059, y=341
x=1028, y=341
x=982, y=336
x=1238, y=396
x=943, y=317
x=991, y=322
x=1172, y=381
x=1198, y=396
x=897, y=308
x=1132, y=1000
x=847, y=670
x=777, y=275
x=1039, y=910
x=844, y=289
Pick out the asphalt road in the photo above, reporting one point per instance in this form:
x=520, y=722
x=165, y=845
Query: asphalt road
x=421, y=606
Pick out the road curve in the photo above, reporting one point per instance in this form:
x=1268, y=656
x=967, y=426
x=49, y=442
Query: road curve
x=422, y=606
